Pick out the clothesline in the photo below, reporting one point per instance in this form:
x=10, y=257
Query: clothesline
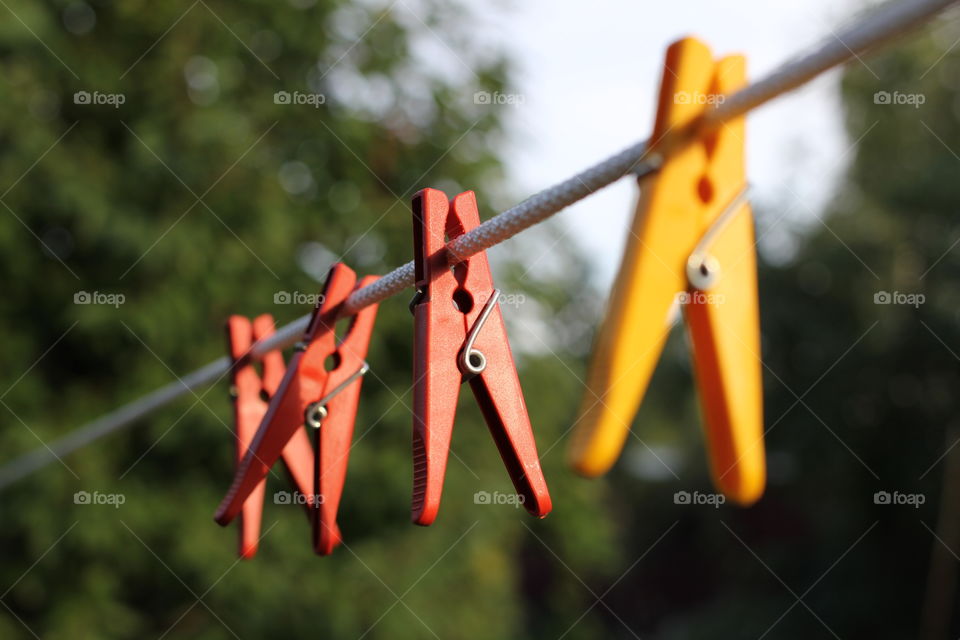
x=874, y=30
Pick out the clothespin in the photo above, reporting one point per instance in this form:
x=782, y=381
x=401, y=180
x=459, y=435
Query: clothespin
x=460, y=336
x=321, y=389
x=692, y=242
x=249, y=406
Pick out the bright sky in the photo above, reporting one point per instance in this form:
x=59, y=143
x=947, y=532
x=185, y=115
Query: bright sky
x=589, y=73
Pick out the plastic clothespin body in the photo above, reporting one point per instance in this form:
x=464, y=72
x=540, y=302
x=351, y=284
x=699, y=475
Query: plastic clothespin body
x=249, y=406
x=692, y=242
x=322, y=384
x=449, y=305
x=334, y=435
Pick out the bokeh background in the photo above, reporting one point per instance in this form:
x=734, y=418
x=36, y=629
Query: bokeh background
x=199, y=196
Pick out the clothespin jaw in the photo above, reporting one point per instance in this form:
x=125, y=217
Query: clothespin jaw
x=248, y=409
x=333, y=420
x=460, y=336
x=248, y=390
x=724, y=324
x=692, y=243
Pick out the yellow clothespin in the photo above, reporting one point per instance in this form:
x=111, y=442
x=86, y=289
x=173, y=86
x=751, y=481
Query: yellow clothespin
x=692, y=242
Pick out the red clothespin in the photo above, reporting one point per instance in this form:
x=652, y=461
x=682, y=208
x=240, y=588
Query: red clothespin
x=249, y=408
x=460, y=337
x=326, y=400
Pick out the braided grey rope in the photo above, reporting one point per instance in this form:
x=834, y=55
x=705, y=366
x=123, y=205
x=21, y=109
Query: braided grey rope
x=886, y=23
x=889, y=21
x=509, y=223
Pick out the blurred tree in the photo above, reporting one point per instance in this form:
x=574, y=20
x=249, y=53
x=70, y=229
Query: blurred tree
x=206, y=192
x=196, y=160
x=861, y=342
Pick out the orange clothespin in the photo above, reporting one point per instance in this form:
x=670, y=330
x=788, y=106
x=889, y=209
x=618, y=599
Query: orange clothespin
x=332, y=417
x=320, y=389
x=459, y=336
x=692, y=243
x=249, y=406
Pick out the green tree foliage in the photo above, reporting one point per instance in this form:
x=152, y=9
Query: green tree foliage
x=200, y=196
x=197, y=197
x=860, y=344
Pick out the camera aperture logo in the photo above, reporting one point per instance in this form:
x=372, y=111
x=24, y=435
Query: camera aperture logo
x=314, y=100
x=297, y=297
x=897, y=98
x=696, y=498
x=896, y=498
x=97, y=98
x=99, y=297
x=295, y=497
x=97, y=498
x=897, y=297
x=485, y=497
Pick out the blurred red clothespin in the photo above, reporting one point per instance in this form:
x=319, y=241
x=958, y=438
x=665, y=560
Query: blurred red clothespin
x=250, y=394
x=459, y=336
x=324, y=399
